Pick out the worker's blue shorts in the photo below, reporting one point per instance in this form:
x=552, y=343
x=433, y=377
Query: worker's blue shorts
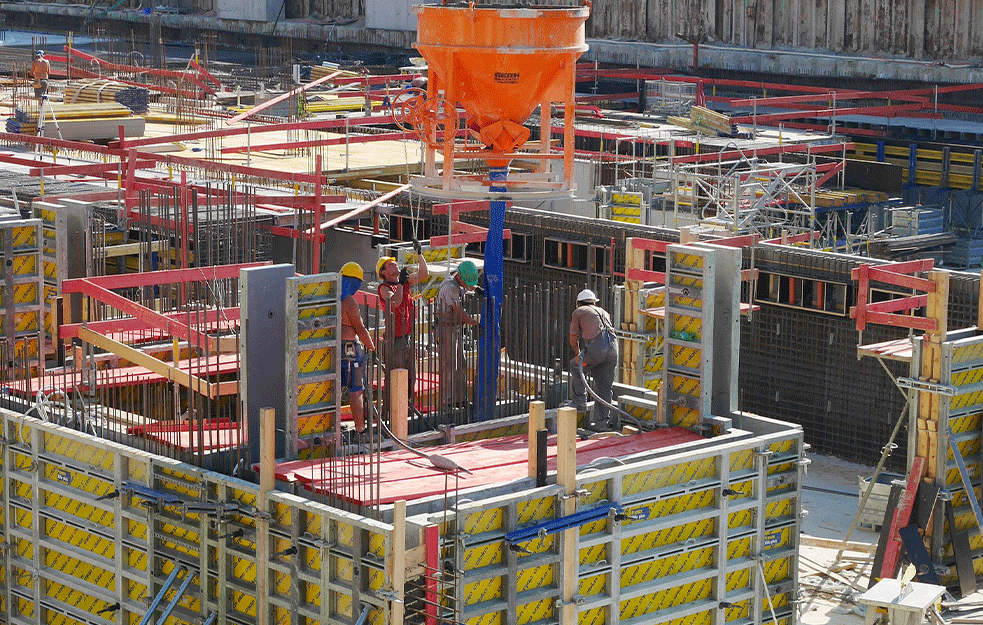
x=353, y=366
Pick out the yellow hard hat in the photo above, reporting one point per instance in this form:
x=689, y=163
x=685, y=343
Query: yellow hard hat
x=382, y=261
x=352, y=270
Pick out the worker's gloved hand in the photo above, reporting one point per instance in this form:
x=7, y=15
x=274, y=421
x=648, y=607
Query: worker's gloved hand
x=417, y=247
x=404, y=275
x=480, y=292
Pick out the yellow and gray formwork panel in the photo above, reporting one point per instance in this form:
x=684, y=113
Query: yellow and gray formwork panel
x=66, y=250
x=641, y=349
x=313, y=358
x=22, y=295
x=708, y=534
x=702, y=307
x=96, y=533
x=959, y=400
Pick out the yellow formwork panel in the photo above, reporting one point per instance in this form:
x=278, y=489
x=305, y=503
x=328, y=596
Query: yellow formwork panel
x=478, y=556
x=313, y=291
x=741, y=519
x=534, y=612
x=490, y=519
x=741, y=580
x=592, y=585
x=738, y=611
x=499, y=432
x=686, y=356
x=24, y=237
x=966, y=423
x=671, y=597
x=75, y=448
x=536, y=577
x=674, y=475
x=479, y=592
x=494, y=618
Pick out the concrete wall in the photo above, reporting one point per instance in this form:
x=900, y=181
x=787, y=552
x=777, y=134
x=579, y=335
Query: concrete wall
x=948, y=30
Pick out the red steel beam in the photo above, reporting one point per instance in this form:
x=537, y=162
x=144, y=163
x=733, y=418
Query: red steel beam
x=84, y=170
x=781, y=149
x=886, y=110
x=151, y=317
x=80, y=146
x=157, y=278
x=133, y=324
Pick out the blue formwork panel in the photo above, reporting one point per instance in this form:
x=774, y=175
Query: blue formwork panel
x=910, y=221
x=966, y=253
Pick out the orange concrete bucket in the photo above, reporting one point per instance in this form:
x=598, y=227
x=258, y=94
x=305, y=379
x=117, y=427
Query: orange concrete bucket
x=501, y=62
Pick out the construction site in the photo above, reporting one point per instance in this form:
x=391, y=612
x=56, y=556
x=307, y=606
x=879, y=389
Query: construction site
x=288, y=322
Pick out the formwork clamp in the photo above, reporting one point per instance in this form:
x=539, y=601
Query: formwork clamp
x=152, y=496
x=211, y=509
x=542, y=530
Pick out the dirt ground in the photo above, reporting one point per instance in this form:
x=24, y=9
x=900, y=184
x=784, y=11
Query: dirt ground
x=830, y=499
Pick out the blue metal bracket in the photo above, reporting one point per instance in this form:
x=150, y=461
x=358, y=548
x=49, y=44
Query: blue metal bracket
x=542, y=530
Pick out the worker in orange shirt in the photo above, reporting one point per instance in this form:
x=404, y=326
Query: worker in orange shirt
x=40, y=70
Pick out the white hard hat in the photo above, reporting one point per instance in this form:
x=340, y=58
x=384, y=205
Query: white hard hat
x=586, y=296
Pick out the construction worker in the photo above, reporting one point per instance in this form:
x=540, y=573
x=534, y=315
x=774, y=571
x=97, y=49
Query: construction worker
x=451, y=318
x=355, y=343
x=40, y=71
x=596, y=348
x=395, y=295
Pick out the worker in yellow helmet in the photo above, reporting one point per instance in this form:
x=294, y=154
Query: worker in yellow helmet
x=355, y=343
x=399, y=314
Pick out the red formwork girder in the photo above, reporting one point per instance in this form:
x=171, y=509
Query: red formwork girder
x=887, y=312
x=99, y=288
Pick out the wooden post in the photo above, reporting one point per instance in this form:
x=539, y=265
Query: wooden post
x=566, y=478
x=937, y=443
x=398, y=407
x=537, y=422
x=397, y=558
x=267, y=477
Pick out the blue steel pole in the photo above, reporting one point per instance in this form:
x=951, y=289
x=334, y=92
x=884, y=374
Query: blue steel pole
x=489, y=339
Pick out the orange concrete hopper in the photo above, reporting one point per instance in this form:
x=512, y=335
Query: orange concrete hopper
x=500, y=62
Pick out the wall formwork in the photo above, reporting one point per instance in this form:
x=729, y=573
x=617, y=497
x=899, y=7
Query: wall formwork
x=100, y=533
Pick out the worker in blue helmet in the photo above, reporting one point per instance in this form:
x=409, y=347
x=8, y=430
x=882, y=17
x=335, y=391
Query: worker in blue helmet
x=451, y=320
x=355, y=343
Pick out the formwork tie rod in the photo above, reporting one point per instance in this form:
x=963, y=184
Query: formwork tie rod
x=576, y=519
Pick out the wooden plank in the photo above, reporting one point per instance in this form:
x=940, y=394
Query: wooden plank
x=885, y=534
x=830, y=543
x=900, y=518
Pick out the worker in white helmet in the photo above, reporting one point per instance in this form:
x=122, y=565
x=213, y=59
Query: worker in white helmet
x=596, y=352
x=40, y=71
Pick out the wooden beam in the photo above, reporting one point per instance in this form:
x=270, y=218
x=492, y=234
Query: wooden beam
x=161, y=368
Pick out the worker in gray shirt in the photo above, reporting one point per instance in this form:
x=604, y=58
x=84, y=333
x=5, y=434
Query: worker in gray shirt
x=596, y=348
